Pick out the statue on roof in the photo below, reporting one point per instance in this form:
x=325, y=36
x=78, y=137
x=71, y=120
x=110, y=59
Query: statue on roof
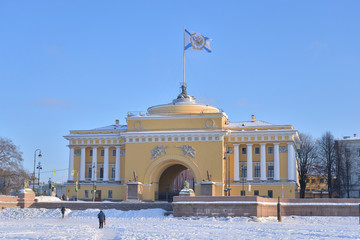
x=183, y=93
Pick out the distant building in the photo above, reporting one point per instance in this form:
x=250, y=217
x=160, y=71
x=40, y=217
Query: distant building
x=349, y=154
x=250, y=157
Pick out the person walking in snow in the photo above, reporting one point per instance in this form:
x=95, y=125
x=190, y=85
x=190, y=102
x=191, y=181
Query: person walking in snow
x=101, y=217
x=63, y=211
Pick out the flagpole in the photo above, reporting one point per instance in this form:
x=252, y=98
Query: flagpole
x=184, y=59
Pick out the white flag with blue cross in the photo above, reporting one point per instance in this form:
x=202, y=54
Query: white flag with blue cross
x=196, y=41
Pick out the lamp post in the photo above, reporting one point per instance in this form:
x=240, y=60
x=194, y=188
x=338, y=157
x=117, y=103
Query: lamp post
x=94, y=183
x=39, y=167
x=39, y=155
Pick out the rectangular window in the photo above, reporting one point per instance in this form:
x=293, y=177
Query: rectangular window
x=257, y=171
x=321, y=180
x=244, y=171
x=270, y=150
x=313, y=180
x=90, y=152
x=270, y=171
x=243, y=150
x=90, y=172
x=256, y=193
x=242, y=193
x=110, y=194
x=114, y=153
x=101, y=173
x=112, y=172
x=270, y=193
x=86, y=194
x=358, y=152
x=102, y=152
x=257, y=150
x=347, y=152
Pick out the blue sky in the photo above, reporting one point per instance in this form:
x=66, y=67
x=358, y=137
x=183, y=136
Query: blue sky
x=76, y=65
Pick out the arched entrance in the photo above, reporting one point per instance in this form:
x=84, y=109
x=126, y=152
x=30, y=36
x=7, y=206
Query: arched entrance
x=171, y=182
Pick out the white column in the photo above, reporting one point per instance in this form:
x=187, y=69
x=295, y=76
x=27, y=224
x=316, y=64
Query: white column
x=117, y=164
x=106, y=164
x=94, y=163
x=249, y=162
x=236, y=163
x=291, y=162
x=71, y=163
x=82, y=164
x=276, y=162
x=263, y=161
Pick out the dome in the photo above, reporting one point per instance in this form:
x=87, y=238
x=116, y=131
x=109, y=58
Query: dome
x=184, y=104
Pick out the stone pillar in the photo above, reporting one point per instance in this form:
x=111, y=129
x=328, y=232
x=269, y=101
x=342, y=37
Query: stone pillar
x=207, y=188
x=263, y=161
x=291, y=162
x=117, y=164
x=71, y=163
x=106, y=164
x=94, y=165
x=276, y=162
x=82, y=163
x=236, y=163
x=134, y=190
x=249, y=162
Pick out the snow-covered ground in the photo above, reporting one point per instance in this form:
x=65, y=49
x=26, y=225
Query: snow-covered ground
x=152, y=224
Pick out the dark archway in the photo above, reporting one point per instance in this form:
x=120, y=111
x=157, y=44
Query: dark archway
x=171, y=179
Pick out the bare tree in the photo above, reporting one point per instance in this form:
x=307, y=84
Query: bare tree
x=327, y=158
x=306, y=155
x=12, y=173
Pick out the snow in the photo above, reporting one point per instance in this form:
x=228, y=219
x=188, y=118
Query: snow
x=47, y=199
x=32, y=223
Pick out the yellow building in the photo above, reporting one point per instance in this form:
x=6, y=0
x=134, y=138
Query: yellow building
x=251, y=157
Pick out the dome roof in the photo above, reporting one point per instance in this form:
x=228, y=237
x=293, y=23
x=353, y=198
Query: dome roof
x=184, y=104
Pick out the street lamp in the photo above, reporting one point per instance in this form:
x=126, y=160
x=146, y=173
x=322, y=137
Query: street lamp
x=39, y=167
x=39, y=155
x=94, y=183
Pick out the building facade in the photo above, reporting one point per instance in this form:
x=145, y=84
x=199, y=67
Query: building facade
x=251, y=157
x=348, y=153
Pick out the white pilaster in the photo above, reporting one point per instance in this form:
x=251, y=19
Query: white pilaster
x=263, y=161
x=82, y=163
x=291, y=162
x=236, y=163
x=276, y=162
x=117, y=164
x=71, y=163
x=249, y=162
x=106, y=163
x=94, y=164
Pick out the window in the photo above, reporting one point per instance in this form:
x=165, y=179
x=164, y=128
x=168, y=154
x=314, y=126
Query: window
x=358, y=150
x=77, y=152
x=307, y=180
x=313, y=180
x=102, y=153
x=91, y=152
x=257, y=171
x=114, y=153
x=347, y=152
x=257, y=150
x=110, y=194
x=244, y=171
x=256, y=193
x=270, y=193
x=270, y=171
x=321, y=180
x=112, y=172
x=270, y=150
x=86, y=194
x=242, y=192
x=90, y=172
x=101, y=173
x=243, y=150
